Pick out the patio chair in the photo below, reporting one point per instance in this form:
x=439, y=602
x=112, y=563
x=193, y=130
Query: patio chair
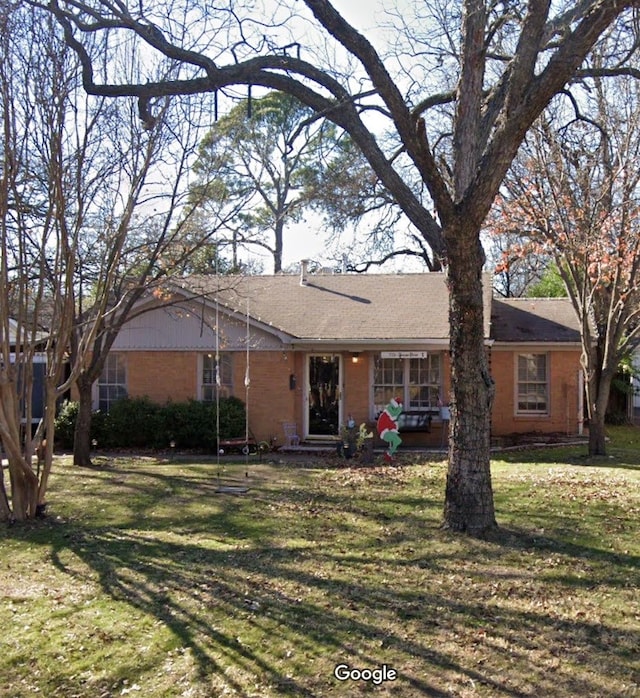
x=291, y=437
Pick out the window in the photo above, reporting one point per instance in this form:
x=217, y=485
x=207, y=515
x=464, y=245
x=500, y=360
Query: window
x=424, y=382
x=112, y=384
x=208, y=382
x=388, y=382
x=532, y=384
x=416, y=380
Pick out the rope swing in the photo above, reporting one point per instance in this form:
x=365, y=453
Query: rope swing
x=232, y=489
x=247, y=382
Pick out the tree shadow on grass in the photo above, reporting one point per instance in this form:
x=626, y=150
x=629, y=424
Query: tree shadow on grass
x=272, y=590
x=239, y=587
x=620, y=455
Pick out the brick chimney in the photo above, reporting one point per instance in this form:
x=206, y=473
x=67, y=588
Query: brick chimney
x=304, y=271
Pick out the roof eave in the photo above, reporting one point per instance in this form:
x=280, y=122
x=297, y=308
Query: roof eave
x=515, y=344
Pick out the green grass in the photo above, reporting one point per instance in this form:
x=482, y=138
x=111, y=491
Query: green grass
x=144, y=581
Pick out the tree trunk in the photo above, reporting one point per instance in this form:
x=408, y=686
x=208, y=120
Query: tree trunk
x=278, y=243
x=82, y=433
x=49, y=439
x=598, y=391
x=5, y=508
x=597, y=435
x=469, y=496
x=24, y=488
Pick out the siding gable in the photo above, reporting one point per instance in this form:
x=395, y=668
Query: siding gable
x=188, y=328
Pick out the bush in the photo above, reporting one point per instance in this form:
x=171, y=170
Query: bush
x=140, y=423
x=65, y=424
x=193, y=424
x=131, y=423
x=232, y=418
x=189, y=424
x=616, y=418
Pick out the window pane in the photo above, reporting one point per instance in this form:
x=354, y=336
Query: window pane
x=415, y=380
x=532, y=383
x=112, y=384
x=388, y=382
x=425, y=382
x=209, y=388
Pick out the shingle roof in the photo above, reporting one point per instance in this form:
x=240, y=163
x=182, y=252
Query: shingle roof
x=534, y=320
x=343, y=307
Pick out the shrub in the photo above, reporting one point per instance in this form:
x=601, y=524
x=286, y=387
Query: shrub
x=193, y=424
x=65, y=423
x=140, y=423
x=189, y=424
x=232, y=418
x=616, y=418
x=131, y=423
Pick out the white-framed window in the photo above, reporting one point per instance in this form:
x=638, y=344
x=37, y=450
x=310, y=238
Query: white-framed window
x=532, y=384
x=418, y=381
x=112, y=384
x=208, y=377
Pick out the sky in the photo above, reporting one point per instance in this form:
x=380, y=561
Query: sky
x=304, y=241
x=308, y=240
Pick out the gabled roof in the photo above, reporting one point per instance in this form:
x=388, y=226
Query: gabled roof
x=38, y=337
x=341, y=307
x=534, y=320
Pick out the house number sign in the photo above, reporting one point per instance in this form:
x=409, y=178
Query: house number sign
x=404, y=354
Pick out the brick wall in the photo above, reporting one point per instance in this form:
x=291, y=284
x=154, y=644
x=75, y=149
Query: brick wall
x=563, y=392
x=162, y=375
x=356, y=388
x=274, y=399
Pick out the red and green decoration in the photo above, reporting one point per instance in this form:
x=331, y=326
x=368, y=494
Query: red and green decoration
x=387, y=426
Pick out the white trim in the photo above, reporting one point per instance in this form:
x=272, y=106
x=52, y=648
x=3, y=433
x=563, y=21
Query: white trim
x=307, y=386
x=343, y=344
x=531, y=414
x=406, y=387
x=95, y=387
x=200, y=368
x=580, y=402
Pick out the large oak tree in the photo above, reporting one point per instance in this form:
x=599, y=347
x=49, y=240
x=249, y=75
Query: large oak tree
x=458, y=100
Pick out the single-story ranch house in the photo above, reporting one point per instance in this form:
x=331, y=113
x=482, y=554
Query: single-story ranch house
x=318, y=350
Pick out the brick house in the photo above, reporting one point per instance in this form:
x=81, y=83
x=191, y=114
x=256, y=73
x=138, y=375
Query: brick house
x=320, y=349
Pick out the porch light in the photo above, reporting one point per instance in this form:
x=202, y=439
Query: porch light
x=355, y=357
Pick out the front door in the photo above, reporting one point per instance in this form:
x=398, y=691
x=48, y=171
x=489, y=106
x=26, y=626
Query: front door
x=324, y=395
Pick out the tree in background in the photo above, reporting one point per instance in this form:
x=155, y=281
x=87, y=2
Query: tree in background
x=92, y=223
x=458, y=95
x=143, y=244
x=550, y=284
x=576, y=200
x=277, y=157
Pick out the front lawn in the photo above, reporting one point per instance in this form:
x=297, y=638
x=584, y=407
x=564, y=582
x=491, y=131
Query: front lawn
x=145, y=581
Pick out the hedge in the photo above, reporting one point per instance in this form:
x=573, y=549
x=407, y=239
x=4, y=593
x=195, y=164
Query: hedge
x=140, y=423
